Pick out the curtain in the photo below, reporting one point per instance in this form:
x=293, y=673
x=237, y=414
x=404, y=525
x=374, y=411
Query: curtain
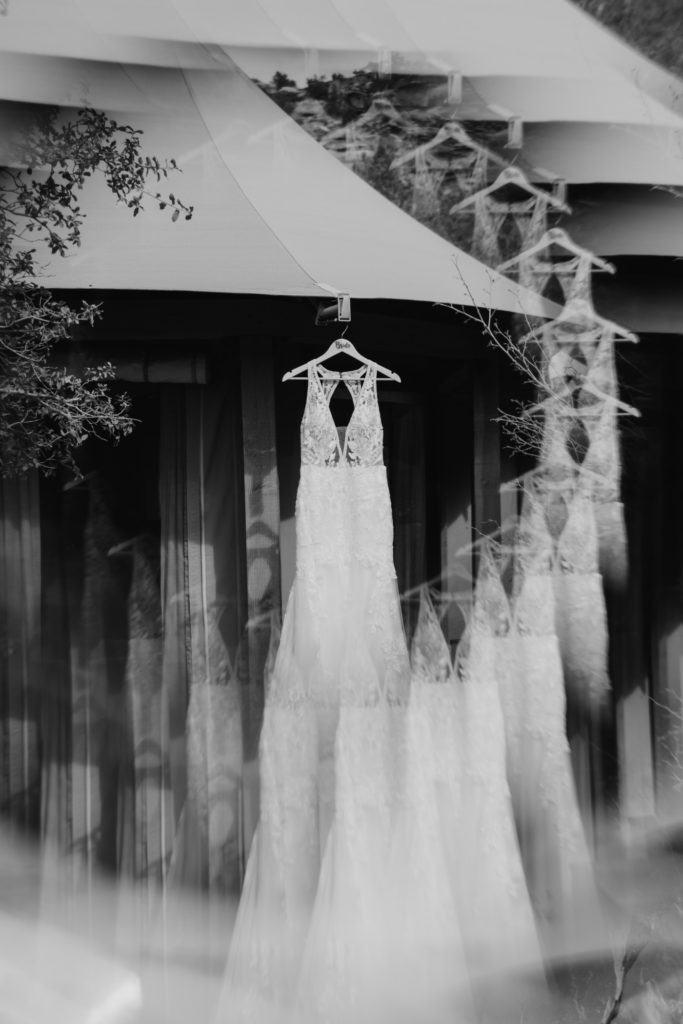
x=143, y=612
x=202, y=587
x=146, y=820
x=20, y=638
x=84, y=656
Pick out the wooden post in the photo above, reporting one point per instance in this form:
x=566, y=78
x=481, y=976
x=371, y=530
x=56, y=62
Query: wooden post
x=262, y=524
x=628, y=612
x=664, y=551
x=486, y=481
x=20, y=639
x=455, y=494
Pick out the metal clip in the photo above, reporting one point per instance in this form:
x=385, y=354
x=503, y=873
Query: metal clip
x=331, y=312
x=515, y=133
x=454, y=94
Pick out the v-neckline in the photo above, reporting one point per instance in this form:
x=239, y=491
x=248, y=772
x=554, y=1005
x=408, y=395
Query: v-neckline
x=364, y=375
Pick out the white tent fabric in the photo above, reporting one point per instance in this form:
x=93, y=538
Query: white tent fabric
x=28, y=78
x=578, y=152
x=632, y=222
x=605, y=99
x=474, y=36
x=275, y=213
x=620, y=154
x=595, y=111
x=77, y=83
x=565, y=66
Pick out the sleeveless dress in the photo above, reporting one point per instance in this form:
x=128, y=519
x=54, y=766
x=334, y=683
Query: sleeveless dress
x=489, y=876
x=581, y=615
x=556, y=857
x=313, y=925
x=428, y=834
x=603, y=461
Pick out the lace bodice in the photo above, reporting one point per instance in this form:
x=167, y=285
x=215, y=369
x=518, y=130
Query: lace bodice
x=573, y=275
x=470, y=171
x=581, y=618
x=577, y=546
x=490, y=216
x=144, y=602
x=491, y=609
x=534, y=554
x=362, y=443
x=603, y=458
x=429, y=654
x=555, y=455
x=427, y=183
x=602, y=373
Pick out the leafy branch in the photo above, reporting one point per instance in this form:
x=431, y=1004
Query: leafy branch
x=47, y=413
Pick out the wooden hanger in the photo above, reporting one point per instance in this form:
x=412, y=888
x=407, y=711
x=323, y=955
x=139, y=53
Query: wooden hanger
x=339, y=346
x=451, y=131
x=513, y=176
x=558, y=236
x=576, y=311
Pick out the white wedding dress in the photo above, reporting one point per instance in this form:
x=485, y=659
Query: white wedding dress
x=555, y=853
x=457, y=790
x=313, y=931
x=489, y=876
x=428, y=835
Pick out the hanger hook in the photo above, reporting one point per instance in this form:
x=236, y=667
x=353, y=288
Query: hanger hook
x=343, y=333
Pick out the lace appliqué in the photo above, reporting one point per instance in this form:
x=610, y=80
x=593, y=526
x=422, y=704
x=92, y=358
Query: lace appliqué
x=501, y=230
x=363, y=436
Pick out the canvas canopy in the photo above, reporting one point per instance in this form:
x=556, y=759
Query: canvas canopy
x=584, y=153
x=629, y=222
x=275, y=213
x=579, y=152
x=540, y=59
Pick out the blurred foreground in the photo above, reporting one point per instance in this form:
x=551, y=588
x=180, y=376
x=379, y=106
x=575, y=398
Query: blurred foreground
x=102, y=957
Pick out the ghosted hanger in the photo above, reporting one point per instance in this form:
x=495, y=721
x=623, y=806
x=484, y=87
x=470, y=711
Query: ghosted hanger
x=559, y=237
x=126, y=546
x=584, y=410
x=454, y=132
x=513, y=176
x=380, y=109
x=578, y=311
x=500, y=531
x=78, y=481
x=538, y=472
